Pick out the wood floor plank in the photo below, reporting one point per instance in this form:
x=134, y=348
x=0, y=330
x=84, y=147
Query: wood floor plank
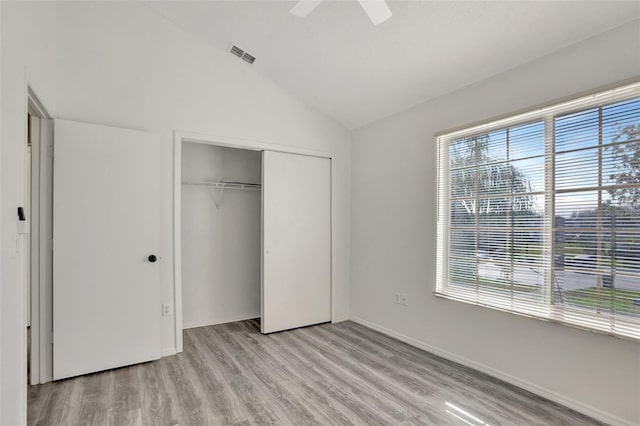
x=244, y=397
x=455, y=380
x=126, y=396
x=330, y=374
x=56, y=408
x=344, y=388
x=267, y=367
x=266, y=382
x=385, y=391
x=183, y=395
x=305, y=380
x=37, y=397
x=156, y=404
x=214, y=385
x=97, y=396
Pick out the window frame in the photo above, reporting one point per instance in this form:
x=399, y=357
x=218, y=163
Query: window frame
x=546, y=310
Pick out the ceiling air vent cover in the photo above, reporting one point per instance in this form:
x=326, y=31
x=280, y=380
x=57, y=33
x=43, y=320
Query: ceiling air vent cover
x=235, y=50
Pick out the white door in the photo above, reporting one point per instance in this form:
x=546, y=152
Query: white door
x=296, y=227
x=106, y=228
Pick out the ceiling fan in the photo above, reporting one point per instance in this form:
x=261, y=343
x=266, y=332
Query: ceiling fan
x=377, y=10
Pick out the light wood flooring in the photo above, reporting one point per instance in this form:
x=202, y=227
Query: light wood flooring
x=330, y=374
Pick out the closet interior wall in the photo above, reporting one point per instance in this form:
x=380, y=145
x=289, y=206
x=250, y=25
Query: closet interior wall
x=220, y=235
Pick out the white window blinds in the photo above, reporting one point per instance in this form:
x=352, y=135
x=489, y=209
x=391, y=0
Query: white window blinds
x=539, y=214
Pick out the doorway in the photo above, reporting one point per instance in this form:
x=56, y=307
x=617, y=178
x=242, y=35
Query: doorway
x=221, y=193
x=37, y=230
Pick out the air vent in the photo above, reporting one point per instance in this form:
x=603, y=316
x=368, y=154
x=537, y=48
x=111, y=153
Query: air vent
x=248, y=58
x=235, y=50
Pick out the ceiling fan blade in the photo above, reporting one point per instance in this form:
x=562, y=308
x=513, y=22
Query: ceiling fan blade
x=304, y=7
x=377, y=10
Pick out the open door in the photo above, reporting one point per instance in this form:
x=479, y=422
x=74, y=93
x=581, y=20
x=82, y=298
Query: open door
x=106, y=229
x=296, y=229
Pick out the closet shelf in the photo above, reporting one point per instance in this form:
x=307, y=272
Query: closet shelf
x=225, y=185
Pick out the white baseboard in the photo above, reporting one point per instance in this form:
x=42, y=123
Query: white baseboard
x=167, y=352
x=216, y=321
x=340, y=318
x=526, y=385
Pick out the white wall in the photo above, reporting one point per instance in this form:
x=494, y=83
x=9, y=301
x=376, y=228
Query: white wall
x=121, y=64
x=132, y=68
x=220, y=236
x=394, y=239
x=28, y=34
x=1, y=225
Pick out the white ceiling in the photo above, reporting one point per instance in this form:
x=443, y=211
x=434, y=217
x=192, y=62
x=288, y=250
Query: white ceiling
x=337, y=61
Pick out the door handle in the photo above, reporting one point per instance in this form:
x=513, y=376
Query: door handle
x=152, y=258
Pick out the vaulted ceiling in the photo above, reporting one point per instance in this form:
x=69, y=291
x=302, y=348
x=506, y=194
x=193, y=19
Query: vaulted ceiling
x=337, y=61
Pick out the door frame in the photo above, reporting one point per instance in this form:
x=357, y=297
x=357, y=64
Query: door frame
x=39, y=255
x=229, y=142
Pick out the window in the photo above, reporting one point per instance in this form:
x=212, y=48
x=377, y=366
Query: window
x=539, y=214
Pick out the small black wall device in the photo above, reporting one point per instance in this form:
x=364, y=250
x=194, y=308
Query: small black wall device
x=21, y=214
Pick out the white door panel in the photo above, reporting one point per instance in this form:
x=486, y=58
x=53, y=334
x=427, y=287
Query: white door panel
x=106, y=292
x=296, y=281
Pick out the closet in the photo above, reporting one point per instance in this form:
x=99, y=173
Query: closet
x=255, y=237
x=221, y=234
x=253, y=240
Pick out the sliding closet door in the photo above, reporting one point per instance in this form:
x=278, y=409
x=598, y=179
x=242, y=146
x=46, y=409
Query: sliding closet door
x=296, y=274
x=106, y=229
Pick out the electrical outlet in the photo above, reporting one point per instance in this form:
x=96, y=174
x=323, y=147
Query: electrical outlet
x=397, y=298
x=404, y=299
x=166, y=310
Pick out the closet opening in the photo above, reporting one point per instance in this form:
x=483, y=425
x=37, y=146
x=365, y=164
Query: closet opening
x=253, y=232
x=221, y=234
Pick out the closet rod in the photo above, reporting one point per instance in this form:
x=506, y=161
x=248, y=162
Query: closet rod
x=226, y=185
